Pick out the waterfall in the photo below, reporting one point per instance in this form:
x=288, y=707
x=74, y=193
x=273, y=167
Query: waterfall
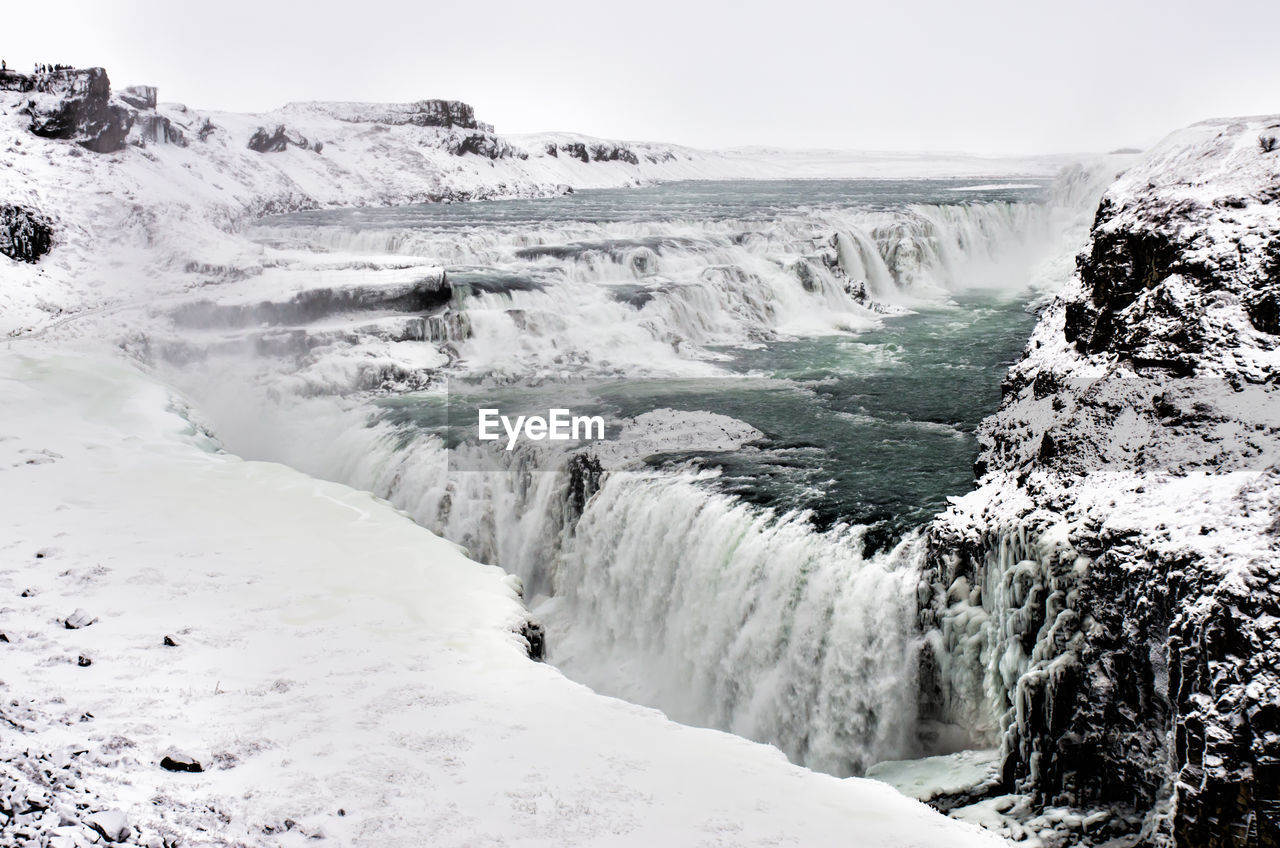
x=668, y=594
x=653, y=584
x=727, y=616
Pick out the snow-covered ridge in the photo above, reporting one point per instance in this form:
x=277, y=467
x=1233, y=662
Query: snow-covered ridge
x=423, y=113
x=1106, y=601
x=179, y=180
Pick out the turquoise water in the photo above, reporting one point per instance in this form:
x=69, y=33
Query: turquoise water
x=874, y=427
x=863, y=328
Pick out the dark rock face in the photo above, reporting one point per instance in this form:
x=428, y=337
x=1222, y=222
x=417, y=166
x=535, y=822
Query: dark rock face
x=535, y=639
x=585, y=472
x=182, y=762
x=25, y=235
x=1120, y=564
x=600, y=152
x=76, y=105
x=486, y=145
x=422, y=113
x=140, y=96
x=577, y=150
x=613, y=153
x=11, y=80
x=279, y=140
x=426, y=295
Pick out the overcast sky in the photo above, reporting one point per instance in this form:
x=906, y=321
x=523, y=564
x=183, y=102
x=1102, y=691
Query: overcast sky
x=986, y=76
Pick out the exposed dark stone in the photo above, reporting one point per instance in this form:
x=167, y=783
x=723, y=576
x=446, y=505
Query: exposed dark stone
x=139, y=96
x=486, y=145
x=535, y=638
x=169, y=642
x=599, y=152
x=632, y=295
x=1263, y=304
x=182, y=762
x=25, y=235
x=278, y=140
x=76, y=105
x=11, y=80
x=577, y=150
x=584, y=481
x=803, y=272
x=78, y=620
x=83, y=661
x=1264, y=312
x=429, y=294
x=613, y=153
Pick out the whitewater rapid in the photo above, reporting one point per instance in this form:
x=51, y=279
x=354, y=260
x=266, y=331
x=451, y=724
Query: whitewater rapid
x=658, y=578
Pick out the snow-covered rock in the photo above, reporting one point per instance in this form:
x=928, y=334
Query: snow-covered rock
x=24, y=233
x=73, y=104
x=1107, y=603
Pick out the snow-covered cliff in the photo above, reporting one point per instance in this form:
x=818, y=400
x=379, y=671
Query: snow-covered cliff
x=1108, y=600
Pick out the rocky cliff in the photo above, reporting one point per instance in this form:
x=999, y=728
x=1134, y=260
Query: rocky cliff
x=1106, y=605
x=420, y=113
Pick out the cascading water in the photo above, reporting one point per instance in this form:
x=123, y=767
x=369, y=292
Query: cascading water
x=740, y=618
x=758, y=576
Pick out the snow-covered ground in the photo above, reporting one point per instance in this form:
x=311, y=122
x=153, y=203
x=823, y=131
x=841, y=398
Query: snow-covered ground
x=337, y=670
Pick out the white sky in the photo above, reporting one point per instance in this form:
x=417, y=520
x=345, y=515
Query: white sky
x=980, y=76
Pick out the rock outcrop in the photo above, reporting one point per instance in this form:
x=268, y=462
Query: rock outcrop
x=599, y=152
x=421, y=113
x=485, y=144
x=76, y=105
x=1106, y=605
x=279, y=140
x=140, y=96
x=25, y=235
